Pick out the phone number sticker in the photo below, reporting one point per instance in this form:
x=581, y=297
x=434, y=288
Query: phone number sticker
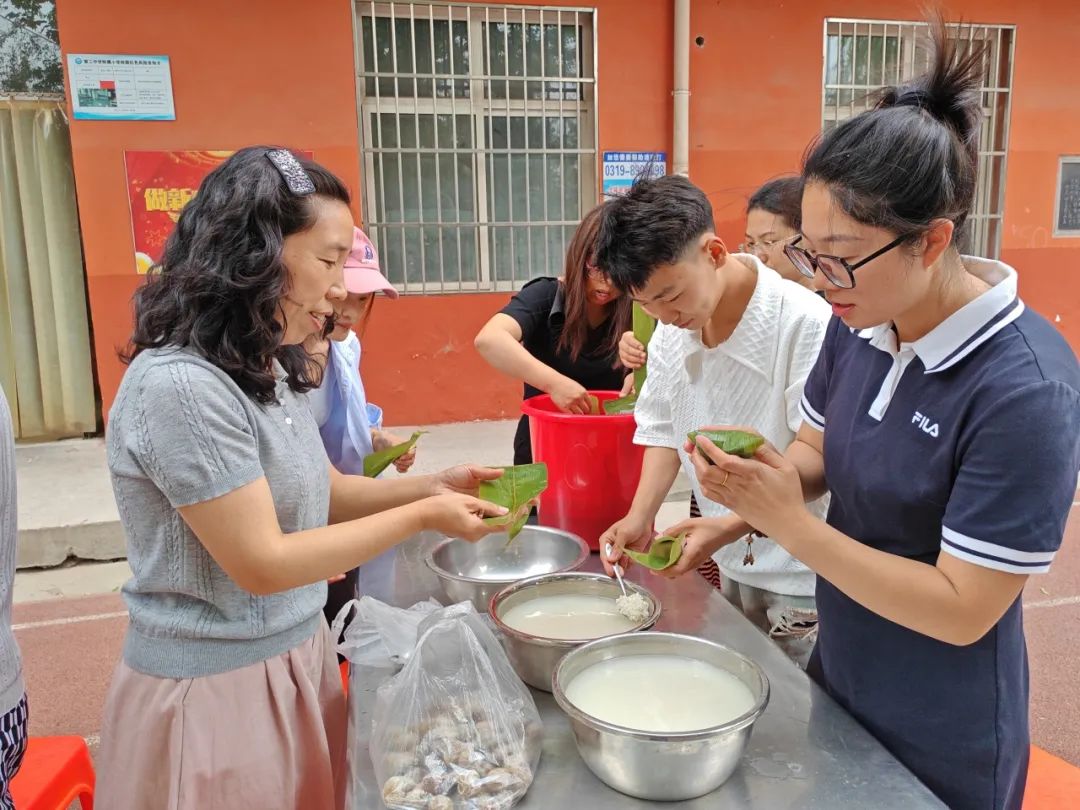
x=621, y=169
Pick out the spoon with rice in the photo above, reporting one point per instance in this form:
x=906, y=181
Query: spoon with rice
x=633, y=606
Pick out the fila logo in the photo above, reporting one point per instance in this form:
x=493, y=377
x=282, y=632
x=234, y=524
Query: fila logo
x=924, y=425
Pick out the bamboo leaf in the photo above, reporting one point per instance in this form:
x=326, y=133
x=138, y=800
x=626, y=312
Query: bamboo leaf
x=644, y=326
x=736, y=442
x=621, y=405
x=663, y=553
x=375, y=463
x=515, y=489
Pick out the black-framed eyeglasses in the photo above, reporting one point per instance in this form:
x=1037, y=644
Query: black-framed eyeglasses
x=838, y=271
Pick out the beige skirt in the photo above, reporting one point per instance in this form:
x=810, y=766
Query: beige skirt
x=270, y=736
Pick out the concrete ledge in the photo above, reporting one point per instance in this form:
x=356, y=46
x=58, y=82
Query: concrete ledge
x=66, y=506
x=50, y=546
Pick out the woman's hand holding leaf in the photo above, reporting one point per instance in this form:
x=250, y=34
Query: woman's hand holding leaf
x=631, y=351
x=765, y=490
x=457, y=515
x=518, y=490
x=386, y=454
x=383, y=440
x=464, y=479
x=570, y=397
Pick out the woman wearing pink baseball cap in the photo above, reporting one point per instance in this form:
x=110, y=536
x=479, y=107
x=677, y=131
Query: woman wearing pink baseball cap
x=351, y=427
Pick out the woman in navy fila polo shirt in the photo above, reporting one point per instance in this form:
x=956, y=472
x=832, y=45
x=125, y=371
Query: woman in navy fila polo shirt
x=944, y=418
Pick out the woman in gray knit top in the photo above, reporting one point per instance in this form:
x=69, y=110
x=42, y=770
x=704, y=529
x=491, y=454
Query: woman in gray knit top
x=13, y=708
x=228, y=694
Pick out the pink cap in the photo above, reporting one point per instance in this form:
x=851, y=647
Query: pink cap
x=362, y=272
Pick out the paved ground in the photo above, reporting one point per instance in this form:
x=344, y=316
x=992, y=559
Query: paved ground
x=70, y=645
x=70, y=620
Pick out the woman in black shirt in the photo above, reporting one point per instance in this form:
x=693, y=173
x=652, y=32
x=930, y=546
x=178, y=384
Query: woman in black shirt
x=560, y=335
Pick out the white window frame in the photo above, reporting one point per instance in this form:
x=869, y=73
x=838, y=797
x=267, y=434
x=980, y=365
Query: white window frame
x=479, y=106
x=987, y=217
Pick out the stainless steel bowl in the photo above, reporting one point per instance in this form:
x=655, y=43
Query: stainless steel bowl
x=474, y=572
x=661, y=767
x=534, y=658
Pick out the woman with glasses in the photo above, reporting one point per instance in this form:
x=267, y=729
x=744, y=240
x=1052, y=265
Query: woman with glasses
x=773, y=215
x=560, y=336
x=944, y=418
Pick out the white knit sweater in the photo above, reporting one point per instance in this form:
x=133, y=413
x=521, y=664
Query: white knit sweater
x=754, y=378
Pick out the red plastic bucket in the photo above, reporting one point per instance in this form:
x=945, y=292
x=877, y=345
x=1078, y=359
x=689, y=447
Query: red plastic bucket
x=593, y=466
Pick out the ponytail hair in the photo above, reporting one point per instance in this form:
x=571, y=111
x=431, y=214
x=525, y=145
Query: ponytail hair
x=913, y=158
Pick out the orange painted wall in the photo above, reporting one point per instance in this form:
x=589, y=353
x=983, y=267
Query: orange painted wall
x=272, y=71
x=258, y=71
x=243, y=73
x=756, y=103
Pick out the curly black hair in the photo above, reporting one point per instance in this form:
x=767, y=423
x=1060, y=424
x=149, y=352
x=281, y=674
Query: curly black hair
x=218, y=286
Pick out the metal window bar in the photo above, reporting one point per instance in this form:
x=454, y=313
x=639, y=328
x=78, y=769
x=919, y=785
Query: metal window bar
x=392, y=85
x=849, y=89
x=480, y=69
x=438, y=148
x=415, y=83
x=397, y=143
x=509, y=136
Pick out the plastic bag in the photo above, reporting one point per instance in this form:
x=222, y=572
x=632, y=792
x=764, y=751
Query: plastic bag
x=456, y=729
x=380, y=636
x=377, y=644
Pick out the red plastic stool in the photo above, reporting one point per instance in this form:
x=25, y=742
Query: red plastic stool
x=1052, y=783
x=55, y=771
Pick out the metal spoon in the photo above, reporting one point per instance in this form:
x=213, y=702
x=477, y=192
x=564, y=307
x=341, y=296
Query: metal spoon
x=618, y=570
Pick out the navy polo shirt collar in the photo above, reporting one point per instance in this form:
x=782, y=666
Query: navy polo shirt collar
x=966, y=329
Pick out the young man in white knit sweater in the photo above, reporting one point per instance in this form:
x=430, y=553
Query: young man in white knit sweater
x=734, y=346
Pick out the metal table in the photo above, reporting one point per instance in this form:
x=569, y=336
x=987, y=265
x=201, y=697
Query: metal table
x=805, y=752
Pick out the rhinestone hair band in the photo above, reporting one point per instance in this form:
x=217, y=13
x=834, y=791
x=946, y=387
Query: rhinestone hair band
x=291, y=172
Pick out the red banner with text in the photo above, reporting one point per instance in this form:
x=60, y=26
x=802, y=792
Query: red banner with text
x=160, y=184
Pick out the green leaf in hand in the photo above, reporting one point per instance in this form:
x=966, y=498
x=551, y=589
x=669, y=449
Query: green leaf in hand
x=736, y=442
x=515, y=489
x=644, y=326
x=663, y=553
x=375, y=463
x=621, y=405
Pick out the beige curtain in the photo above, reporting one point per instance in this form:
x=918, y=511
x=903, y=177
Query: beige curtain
x=45, y=361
